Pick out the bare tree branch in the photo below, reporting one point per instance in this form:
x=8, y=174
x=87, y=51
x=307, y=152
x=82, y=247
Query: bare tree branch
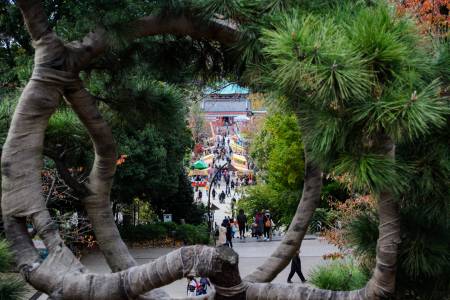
x=79, y=188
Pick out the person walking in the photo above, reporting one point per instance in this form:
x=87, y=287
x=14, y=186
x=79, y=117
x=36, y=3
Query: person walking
x=192, y=286
x=242, y=223
x=229, y=235
x=296, y=267
x=267, y=225
x=199, y=195
x=213, y=192
x=222, y=197
x=259, y=220
x=232, y=184
x=233, y=227
x=203, y=286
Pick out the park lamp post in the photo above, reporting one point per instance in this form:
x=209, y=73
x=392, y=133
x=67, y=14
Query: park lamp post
x=209, y=195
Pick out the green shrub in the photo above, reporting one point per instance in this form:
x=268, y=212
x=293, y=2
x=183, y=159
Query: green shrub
x=192, y=234
x=188, y=233
x=12, y=287
x=321, y=219
x=170, y=226
x=5, y=256
x=144, y=232
x=339, y=275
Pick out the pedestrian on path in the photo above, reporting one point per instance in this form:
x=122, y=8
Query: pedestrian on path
x=267, y=225
x=229, y=235
x=222, y=197
x=242, y=223
x=213, y=192
x=203, y=286
x=296, y=267
x=259, y=220
x=227, y=189
x=199, y=195
x=192, y=286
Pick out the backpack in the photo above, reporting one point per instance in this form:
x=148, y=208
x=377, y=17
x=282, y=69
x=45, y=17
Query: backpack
x=268, y=223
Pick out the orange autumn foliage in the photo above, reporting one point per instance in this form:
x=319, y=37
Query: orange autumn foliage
x=346, y=212
x=121, y=159
x=432, y=15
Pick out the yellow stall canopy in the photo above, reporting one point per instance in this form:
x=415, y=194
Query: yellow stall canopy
x=208, y=159
x=242, y=170
x=236, y=147
x=203, y=172
x=239, y=163
x=239, y=159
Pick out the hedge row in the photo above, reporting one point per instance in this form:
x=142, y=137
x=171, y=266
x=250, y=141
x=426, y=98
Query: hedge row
x=187, y=233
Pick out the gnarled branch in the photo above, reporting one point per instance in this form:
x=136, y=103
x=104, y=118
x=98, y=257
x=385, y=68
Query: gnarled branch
x=99, y=182
x=96, y=42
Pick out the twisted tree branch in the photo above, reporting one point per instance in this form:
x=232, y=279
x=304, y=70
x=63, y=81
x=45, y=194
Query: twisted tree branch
x=99, y=182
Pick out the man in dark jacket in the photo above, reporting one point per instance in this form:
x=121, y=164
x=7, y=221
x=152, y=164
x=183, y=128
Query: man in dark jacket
x=242, y=222
x=222, y=197
x=296, y=267
x=229, y=235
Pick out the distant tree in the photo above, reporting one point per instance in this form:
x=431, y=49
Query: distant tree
x=196, y=121
x=278, y=153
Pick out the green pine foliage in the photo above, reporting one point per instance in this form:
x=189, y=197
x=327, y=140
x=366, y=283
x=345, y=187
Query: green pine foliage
x=12, y=287
x=5, y=256
x=141, y=88
x=356, y=77
x=373, y=172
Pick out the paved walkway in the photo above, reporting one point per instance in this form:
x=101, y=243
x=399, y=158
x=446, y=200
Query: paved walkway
x=251, y=255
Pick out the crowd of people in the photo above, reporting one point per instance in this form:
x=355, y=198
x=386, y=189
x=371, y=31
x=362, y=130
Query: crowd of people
x=224, y=184
x=261, y=228
x=224, y=179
